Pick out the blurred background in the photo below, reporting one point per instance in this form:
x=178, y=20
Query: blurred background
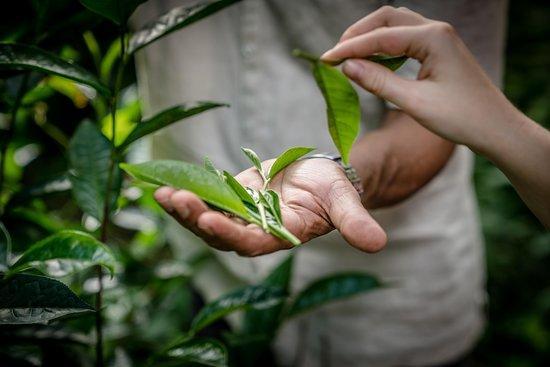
x=153, y=301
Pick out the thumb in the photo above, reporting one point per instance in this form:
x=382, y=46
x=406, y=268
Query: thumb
x=379, y=80
x=352, y=220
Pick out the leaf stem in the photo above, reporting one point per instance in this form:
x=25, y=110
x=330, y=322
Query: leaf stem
x=305, y=55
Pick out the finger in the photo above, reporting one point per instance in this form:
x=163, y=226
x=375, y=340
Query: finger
x=247, y=240
x=187, y=209
x=386, y=16
x=352, y=220
x=162, y=196
x=381, y=81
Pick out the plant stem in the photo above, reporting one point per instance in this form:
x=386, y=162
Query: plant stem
x=106, y=204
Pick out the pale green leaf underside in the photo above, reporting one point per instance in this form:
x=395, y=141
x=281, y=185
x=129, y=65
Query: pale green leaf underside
x=332, y=288
x=64, y=253
x=258, y=297
x=25, y=57
x=253, y=158
x=187, y=176
x=29, y=299
x=343, y=112
x=287, y=158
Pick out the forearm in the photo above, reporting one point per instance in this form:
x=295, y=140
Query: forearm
x=397, y=160
x=521, y=149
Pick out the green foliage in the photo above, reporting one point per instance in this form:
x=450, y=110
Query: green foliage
x=117, y=11
x=175, y=19
x=258, y=297
x=24, y=57
x=286, y=158
x=29, y=299
x=204, y=352
x=90, y=155
x=255, y=160
x=64, y=253
x=391, y=62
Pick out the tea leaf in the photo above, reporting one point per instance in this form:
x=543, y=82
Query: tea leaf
x=262, y=322
x=64, y=253
x=343, y=112
x=56, y=185
x=5, y=248
x=257, y=296
x=332, y=288
x=203, y=351
x=187, y=176
x=30, y=299
x=287, y=158
x=391, y=62
x=175, y=19
x=24, y=57
x=117, y=11
x=271, y=199
x=89, y=159
x=209, y=166
x=166, y=118
x=254, y=159
x=238, y=188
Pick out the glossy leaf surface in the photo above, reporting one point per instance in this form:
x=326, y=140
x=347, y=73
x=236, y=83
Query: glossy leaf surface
x=24, y=57
x=30, y=299
x=201, y=351
x=238, y=188
x=254, y=159
x=166, y=118
x=332, y=288
x=64, y=253
x=118, y=11
x=259, y=297
x=90, y=159
x=288, y=157
x=175, y=19
x=187, y=176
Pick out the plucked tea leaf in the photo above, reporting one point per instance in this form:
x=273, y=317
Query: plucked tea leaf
x=30, y=299
x=64, y=253
x=332, y=288
x=187, y=176
x=287, y=158
x=118, y=11
x=254, y=159
x=175, y=19
x=258, y=296
x=90, y=159
x=238, y=188
x=201, y=351
x=24, y=57
x=166, y=118
x=271, y=199
x=391, y=62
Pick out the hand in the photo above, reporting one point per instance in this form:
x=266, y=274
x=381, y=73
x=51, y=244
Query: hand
x=316, y=197
x=452, y=97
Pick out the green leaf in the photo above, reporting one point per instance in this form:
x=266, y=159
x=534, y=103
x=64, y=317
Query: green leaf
x=24, y=57
x=187, y=176
x=271, y=199
x=332, y=288
x=287, y=158
x=343, y=111
x=166, y=118
x=201, y=351
x=266, y=322
x=5, y=247
x=175, y=19
x=258, y=297
x=391, y=62
x=209, y=166
x=238, y=188
x=64, y=253
x=30, y=299
x=254, y=159
x=52, y=186
x=118, y=11
x=90, y=159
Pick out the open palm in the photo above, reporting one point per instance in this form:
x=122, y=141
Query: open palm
x=316, y=197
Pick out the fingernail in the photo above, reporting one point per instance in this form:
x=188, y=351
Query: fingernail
x=352, y=68
x=183, y=212
x=326, y=55
x=206, y=229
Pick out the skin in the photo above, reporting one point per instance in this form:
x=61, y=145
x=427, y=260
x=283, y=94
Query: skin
x=452, y=96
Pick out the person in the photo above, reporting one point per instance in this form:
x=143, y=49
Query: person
x=416, y=184
x=452, y=97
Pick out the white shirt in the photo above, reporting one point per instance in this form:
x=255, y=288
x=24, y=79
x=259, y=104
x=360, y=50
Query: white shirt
x=242, y=55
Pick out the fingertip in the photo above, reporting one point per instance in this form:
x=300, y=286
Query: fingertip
x=365, y=235
x=162, y=196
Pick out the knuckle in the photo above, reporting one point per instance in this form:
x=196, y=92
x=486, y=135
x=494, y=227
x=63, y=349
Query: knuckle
x=386, y=10
x=377, y=83
x=444, y=29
